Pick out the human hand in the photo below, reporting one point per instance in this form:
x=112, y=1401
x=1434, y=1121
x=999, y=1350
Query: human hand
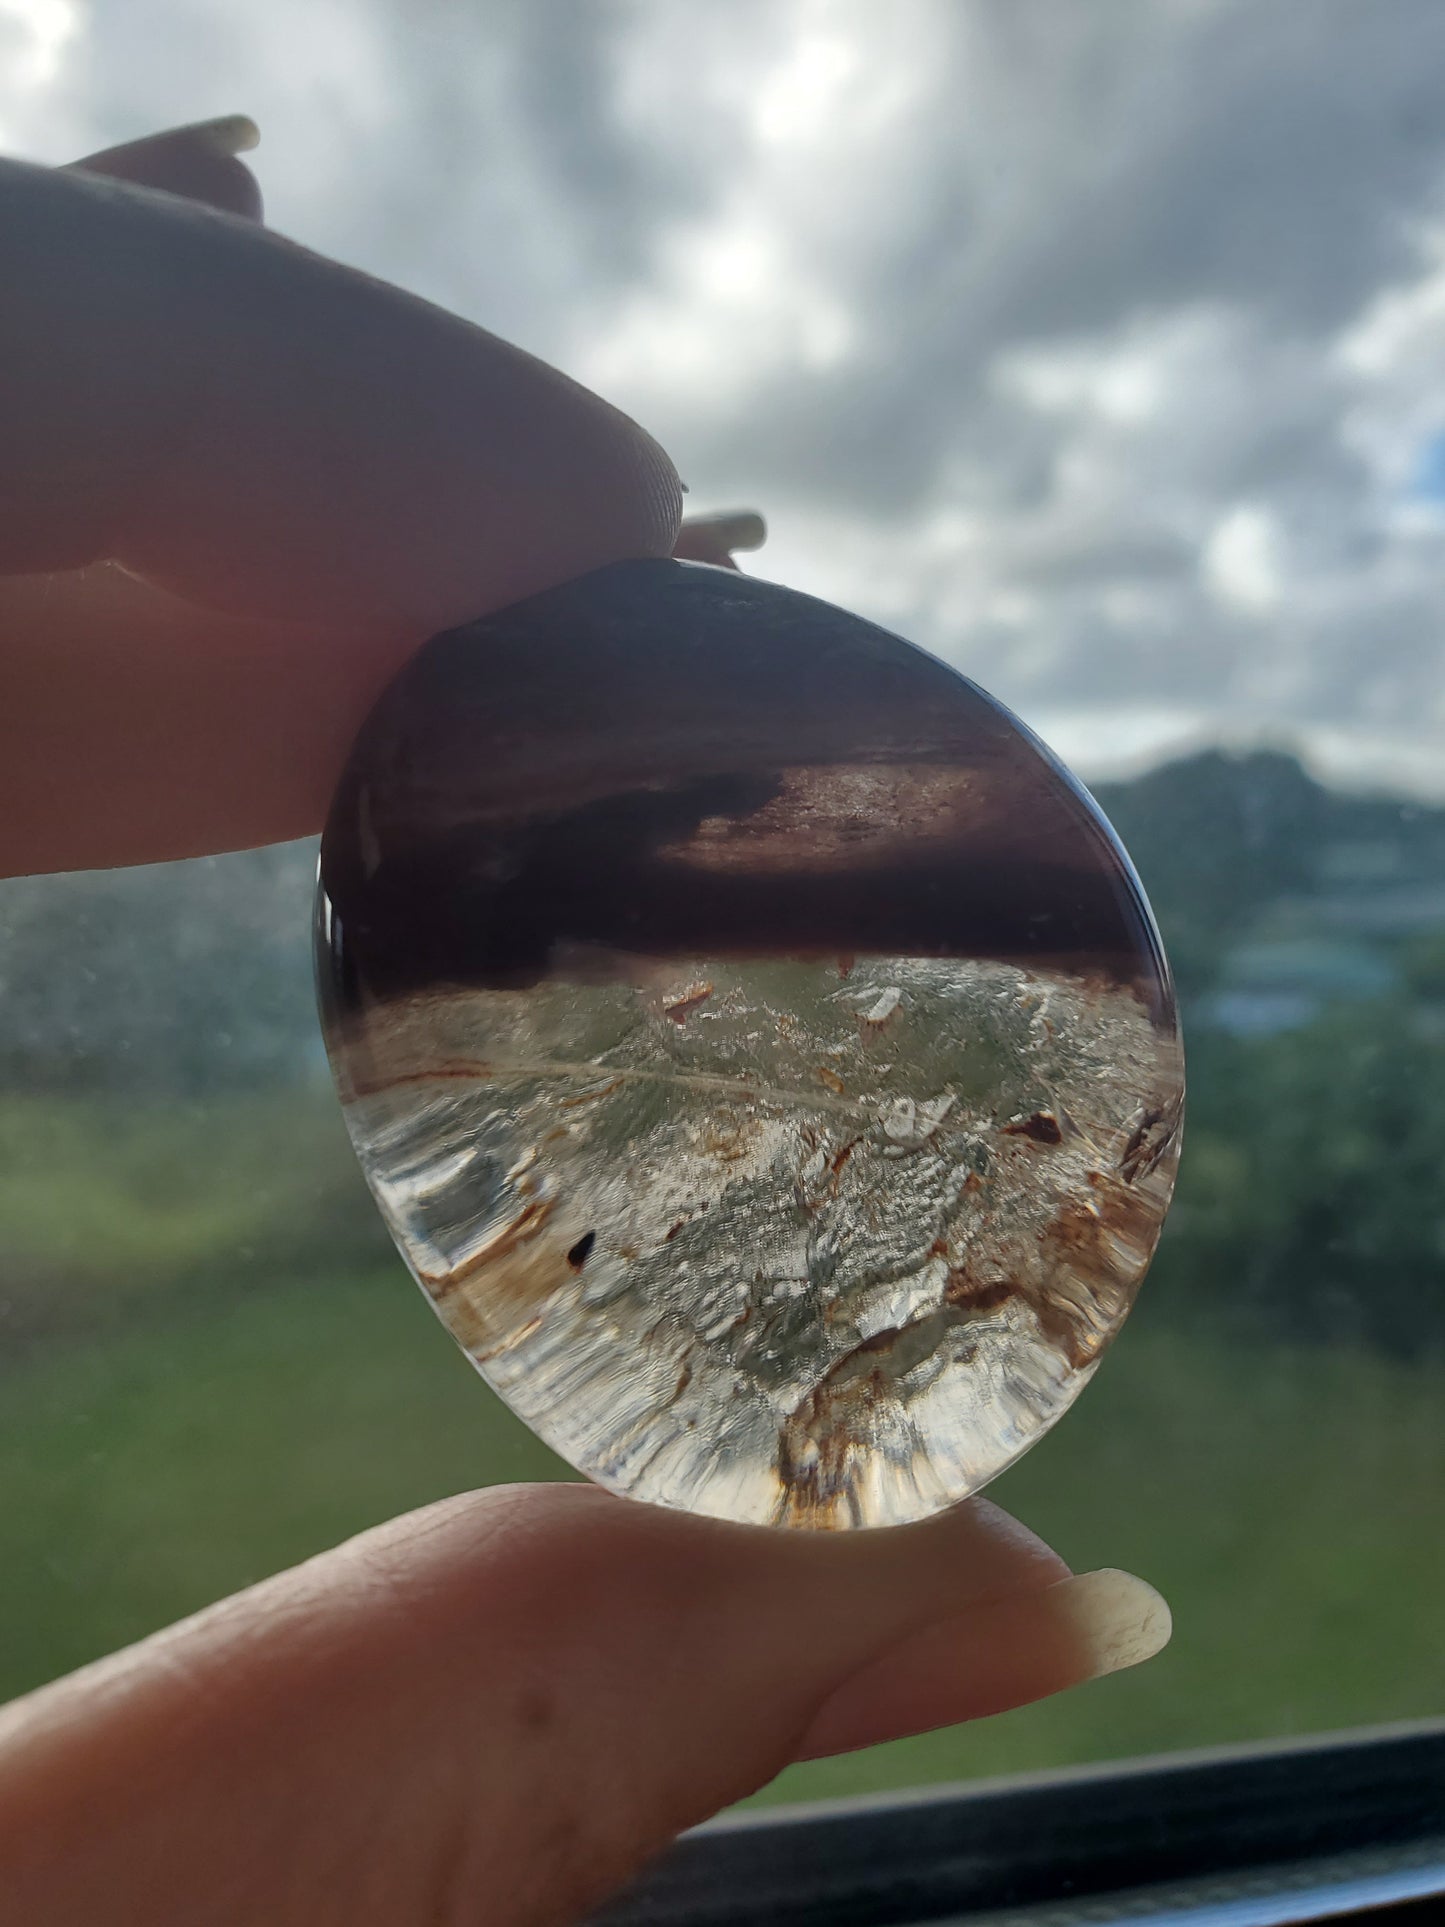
x=238, y=486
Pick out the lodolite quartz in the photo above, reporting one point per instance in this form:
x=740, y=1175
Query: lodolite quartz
x=759, y=1047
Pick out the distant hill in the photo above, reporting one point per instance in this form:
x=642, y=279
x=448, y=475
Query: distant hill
x=1267, y=885
x=1238, y=846
x=1306, y=925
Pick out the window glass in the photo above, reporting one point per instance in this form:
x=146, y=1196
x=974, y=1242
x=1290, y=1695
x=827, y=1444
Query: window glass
x=1098, y=350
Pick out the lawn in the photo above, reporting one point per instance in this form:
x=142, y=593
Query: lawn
x=1287, y=1501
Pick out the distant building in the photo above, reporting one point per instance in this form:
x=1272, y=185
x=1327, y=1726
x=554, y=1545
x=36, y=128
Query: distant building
x=1266, y=987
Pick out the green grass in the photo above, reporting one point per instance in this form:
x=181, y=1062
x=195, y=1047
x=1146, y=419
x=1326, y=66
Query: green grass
x=108, y=1205
x=148, y=1475
x=1288, y=1502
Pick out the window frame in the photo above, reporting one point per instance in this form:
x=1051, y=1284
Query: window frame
x=1253, y=1834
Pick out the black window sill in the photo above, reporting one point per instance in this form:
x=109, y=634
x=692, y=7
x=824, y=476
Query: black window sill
x=1349, y=1825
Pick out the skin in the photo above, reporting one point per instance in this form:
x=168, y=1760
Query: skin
x=239, y=484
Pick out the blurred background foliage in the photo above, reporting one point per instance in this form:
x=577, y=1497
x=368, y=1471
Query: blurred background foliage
x=212, y=1363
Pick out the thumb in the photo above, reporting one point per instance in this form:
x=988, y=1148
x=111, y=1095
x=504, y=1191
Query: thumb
x=510, y=1701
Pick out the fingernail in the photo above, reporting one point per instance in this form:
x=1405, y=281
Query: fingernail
x=1119, y=1620
x=228, y=134
x=731, y=528
x=744, y=530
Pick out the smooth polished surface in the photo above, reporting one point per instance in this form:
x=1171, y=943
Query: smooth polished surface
x=758, y=1045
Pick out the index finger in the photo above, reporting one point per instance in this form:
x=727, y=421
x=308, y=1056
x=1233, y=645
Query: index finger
x=307, y=470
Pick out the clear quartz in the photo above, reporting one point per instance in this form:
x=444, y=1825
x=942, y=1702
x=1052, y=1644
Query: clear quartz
x=789, y=1242
x=758, y=1045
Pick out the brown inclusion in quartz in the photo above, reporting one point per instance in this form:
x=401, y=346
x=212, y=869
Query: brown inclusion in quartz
x=758, y=1045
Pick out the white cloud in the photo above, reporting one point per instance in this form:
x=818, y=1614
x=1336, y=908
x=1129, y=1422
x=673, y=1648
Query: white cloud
x=35, y=39
x=1094, y=347
x=1242, y=561
x=728, y=310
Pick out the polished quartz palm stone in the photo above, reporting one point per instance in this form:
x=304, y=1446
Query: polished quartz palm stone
x=759, y=1047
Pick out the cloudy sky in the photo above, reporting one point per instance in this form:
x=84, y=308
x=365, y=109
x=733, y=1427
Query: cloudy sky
x=1098, y=345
